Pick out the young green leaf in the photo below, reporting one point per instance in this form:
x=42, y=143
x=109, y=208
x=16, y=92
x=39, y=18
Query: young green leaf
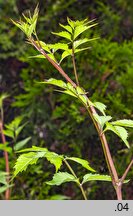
x=58, y=46
x=15, y=123
x=61, y=177
x=84, y=163
x=21, y=144
x=100, y=106
x=9, y=133
x=63, y=34
x=55, y=82
x=80, y=50
x=80, y=91
x=67, y=92
x=102, y=119
x=81, y=28
x=34, y=149
x=25, y=160
x=43, y=57
x=71, y=23
x=80, y=42
x=66, y=27
x=65, y=54
x=19, y=129
x=120, y=131
x=44, y=46
x=124, y=122
x=28, y=26
x=55, y=159
x=95, y=177
x=38, y=56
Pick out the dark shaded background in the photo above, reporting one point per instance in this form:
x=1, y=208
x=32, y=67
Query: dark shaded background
x=57, y=121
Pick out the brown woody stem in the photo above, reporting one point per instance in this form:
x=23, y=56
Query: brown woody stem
x=7, y=193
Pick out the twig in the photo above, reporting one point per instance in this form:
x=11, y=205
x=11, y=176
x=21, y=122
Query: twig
x=78, y=183
x=126, y=172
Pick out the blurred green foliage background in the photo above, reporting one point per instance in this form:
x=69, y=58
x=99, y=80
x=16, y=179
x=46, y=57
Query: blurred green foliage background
x=55, y=120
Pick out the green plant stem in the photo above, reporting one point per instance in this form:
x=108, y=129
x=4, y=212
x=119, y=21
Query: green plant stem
x=74, y=66
x=91, y=110
x=126, y=171
x=107, y=153
x=78, y=183
x=7, y=193
x=121, y=180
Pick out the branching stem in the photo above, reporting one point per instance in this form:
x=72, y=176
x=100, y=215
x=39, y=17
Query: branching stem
x=78, y=183
x=126, y=171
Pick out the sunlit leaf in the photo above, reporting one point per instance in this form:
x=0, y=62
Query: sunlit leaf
x=9, y=133
x=25, y=160
x=67, y=92
x=38, y=56
x=80, y=42
x=100, y=106
x=102, y=119
x=54, y=159
x=55, y=82
x=82, y=49
x=120, y=131
x=71, y=23
x=66, y=27
x=34, y=149
x=124, y=122
x=80, y=29
x=95, y=177
x=44, y=46
x=65, y=54
x=63, y=34
x=28, y=26
x=61, y=177
x=84, y=163
x=58, y=46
